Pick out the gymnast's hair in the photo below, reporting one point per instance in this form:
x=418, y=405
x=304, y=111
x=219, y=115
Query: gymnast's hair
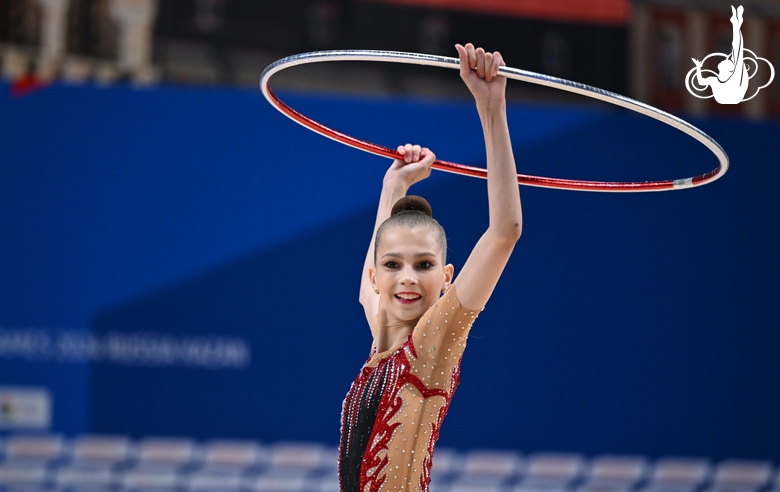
x=413, y=211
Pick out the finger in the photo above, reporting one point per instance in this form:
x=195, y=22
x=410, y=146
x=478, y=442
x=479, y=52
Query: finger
x=472, y=56
x=463, y=56
x=498, y=61
x=428, y=156
x=488, y=66
x=400, y=159
x=408, y=153
x=416, y=153
x=480, y=62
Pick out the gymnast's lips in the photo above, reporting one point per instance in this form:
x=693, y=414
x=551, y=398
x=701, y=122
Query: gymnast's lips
x=408, y=297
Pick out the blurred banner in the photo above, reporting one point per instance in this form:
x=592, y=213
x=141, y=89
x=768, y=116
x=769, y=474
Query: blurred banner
x=593, y=11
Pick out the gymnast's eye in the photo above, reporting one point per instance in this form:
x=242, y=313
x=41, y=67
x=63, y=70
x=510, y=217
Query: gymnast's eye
x=425, y=264
x=390, y=264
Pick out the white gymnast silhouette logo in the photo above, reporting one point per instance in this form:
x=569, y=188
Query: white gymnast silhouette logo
x=730, y=84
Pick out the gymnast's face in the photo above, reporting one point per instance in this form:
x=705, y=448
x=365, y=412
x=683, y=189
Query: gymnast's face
x=409, y=271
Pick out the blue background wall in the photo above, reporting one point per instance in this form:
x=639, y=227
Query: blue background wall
x=637, y=323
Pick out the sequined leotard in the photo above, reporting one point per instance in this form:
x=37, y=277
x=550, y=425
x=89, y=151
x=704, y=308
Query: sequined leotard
x=393, y=411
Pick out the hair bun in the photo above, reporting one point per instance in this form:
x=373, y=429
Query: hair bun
x=412, y=203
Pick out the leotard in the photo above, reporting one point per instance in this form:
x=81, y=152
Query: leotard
x=392, y=414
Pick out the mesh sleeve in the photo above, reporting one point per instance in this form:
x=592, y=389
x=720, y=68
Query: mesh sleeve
x=440, y=335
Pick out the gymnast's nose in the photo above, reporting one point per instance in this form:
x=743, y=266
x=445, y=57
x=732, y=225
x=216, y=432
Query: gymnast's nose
x=408, y=275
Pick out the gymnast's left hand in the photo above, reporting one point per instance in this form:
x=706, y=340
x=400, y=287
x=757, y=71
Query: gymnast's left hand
x=479, y=70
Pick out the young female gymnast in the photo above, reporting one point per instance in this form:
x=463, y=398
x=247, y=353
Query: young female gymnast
x=394, y=409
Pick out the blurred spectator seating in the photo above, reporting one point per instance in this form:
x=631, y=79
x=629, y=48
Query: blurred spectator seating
x=679, y=475
x=446, y=465
x=39, y=449
x=615, y=474
x=293, y=467
x=775, y=487
x=162, y=465
x=551, y=472
x=29, y=461
x=741, y=476
x=51, y=463
x=171, y=452
x=487, y=471
x=227, y=466
x=95, y=464
x=299, y=459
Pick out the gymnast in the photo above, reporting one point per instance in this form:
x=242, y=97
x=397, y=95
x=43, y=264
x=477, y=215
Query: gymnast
x=420, y=316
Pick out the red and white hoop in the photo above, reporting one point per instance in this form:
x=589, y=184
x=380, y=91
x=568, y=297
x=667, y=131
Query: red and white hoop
x=512, y=73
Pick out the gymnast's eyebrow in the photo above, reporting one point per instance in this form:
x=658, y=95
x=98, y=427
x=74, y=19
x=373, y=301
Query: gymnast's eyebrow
x=418, y=255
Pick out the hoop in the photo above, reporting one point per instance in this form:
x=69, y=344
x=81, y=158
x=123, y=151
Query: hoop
x=512, y=73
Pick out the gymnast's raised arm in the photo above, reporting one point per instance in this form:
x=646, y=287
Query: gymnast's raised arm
x=484, y=266
x=413, y=166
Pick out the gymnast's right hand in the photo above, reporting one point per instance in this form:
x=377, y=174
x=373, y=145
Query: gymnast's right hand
x=412, y=165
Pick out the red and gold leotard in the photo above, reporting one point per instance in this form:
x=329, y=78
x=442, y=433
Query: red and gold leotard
x=393, y=411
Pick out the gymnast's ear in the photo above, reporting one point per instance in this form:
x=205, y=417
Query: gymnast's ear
x=449, y=272
x=372, y=279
